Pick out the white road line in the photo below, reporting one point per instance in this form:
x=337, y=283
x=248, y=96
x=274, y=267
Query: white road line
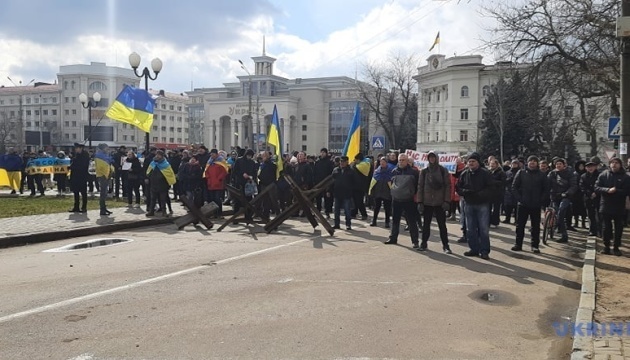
x=79, y=299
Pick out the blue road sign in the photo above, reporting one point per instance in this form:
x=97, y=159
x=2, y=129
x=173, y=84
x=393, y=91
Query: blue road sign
x=378, y=142
x=614, y=128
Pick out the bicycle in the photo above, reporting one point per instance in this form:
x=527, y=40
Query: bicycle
x=549, y=222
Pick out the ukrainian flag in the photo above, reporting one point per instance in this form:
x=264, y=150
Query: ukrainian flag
x=103, y=163
x=133, y=106
x=273, y=138
x=353, y=143
x=166, y=169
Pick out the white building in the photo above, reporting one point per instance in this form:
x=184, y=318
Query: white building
x=451, y=99
x=314, y=113
x=170, y=128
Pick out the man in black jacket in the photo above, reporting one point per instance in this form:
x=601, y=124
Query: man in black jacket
x=79, y=177
x=591, y=197
x=362, y=183
x=266, y=178
x=404, y=187
x=323, y=167
x=118, y=174
x=614, y=186
x=563, y=185
x=475, y=184
x=530, y=188
x=341, y=190
x=244, y=171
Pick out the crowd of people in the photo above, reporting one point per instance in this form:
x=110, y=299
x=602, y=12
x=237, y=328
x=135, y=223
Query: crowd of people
x=480, y=191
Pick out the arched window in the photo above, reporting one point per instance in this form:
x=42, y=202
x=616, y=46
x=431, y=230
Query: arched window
x=98, y=86
x=485, y=91
x=464, y=92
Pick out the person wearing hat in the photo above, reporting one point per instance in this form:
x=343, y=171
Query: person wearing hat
x=341, y=191
x=614, y=187
x=475, y=184
x=509, y=201
x=104, y=170
x=324, y=166
x=12, y=163
x=61, y=173
x=591, y=197
x=120, y=176
x=530, y=188
x=244, y=171
x=79, y=176
x=563, y=184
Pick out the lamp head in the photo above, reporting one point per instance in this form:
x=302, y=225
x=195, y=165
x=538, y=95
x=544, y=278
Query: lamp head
x=134, y=60
x=96, y=96
x=83, y=98
x=156, y=65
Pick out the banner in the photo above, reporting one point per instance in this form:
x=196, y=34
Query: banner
x=48, y=166
x=421, y=159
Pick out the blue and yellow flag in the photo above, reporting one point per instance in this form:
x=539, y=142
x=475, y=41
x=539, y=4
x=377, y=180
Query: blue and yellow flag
x=437, y=41
x=353, y=143
x=133, y=106
x=41, y=166
x=273, y=138
x=103, y=164
x=166, y=169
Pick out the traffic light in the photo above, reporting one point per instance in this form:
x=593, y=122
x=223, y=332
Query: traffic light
x=616, y=144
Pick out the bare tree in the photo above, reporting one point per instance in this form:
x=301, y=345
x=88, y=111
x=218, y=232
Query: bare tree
x=573, y=46
x=7, y=127
x=390, y=93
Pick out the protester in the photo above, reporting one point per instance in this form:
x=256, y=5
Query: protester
x=13, y=164
x=267, y=178
x=361, y=168
x=323, y=168
x=216, y=173
x=341, y=190
x=79, y=174
x=133, y=178
x=61, y=174
x=104, y=170
x=381, y=191
x=614, y=187
x=191, y=182
x=160, y=176
x=404, y=187
x=562, y=187
x=591, y=197
x=498, y=192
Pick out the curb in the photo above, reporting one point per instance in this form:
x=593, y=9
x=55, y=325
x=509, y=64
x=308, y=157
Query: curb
x=20, y=240
x=583, y=345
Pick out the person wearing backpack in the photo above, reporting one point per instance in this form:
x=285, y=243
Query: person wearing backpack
x=404, y=186
x=434, y=198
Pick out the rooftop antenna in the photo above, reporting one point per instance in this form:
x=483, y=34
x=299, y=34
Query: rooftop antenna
x=264, y=45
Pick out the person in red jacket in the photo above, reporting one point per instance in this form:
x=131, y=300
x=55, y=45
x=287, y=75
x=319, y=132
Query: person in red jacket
x=216, y=172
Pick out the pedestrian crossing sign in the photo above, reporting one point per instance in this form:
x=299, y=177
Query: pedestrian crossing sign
x=378, y=142
x=614, y=128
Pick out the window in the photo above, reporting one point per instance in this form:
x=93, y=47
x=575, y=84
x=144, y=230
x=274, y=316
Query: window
x=304, y=148
x=428, y=137
x=28, y=112
x=463, y=114
x=155, y=116
x=133, y=138
x=28, y=100
x=74, y=99
x=36, y=123
x=429, y=97
x=66, y=123
x=304, y=117
x=186, y=130
x=36, y=112
x=72, y=84
x=590, y=111
x=66, y=99
x=588, y=137
x=171, y=117
x=28, y=124
x=429, y=117
x=36, y=100
x=74, y=124
x=54, y=112
x=445, y=115
x=45, y=112
x=548, y=111
x=67, y=112
x=171, y=129
x=438, y=96
x=464, y=91
x=67, y=136
x=179, y=119
x=163, y=117
x=445, y=94
x=163, y=106
x=485, y=91
x=154, y=128
x=171, y=107
x=125, y=137
x=98, y=86
x=124, y=126
x=11, y=101
x=463, y=135
x=74, y=111
x=568, y=111
x=163, y=128
x=437, y=136
x=437, y=116
x=74, y=136
x=44, y=100
x=65, y=86
x=303, y=127
x=53, y=99
x=179, y=108
x=12, y=113
x=171, y=140
x=179, y=130
x=155, y=139
x=163, y=138
x=303, y=137
x=446, y=136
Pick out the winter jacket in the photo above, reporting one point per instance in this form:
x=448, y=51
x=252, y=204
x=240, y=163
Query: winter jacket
x=215, y=176
x=587, y=186
x=613, y=203
x=190, y=176
x=434, y=185
x=303, y=175
x=498, y=189
x=530, y=188
x=562, y=182
x=412, y=174
x=343, y=182
x=509, y=199
x=267, y=173
x=323, y=168
x=135, y=173
x=475, y=186
x=79, y=166
x=382, y=178
x=243, y=165
x=157, y=181
x=11, y=162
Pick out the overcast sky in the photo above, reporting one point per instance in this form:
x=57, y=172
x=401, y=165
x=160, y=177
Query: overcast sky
x=202, y=40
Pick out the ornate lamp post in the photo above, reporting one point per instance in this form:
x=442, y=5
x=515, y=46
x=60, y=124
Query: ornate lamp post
x=89, y=103
x=250, y=122
x=156, y=65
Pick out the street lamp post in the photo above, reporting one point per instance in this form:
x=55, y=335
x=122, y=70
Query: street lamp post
x=250, y=132
x=156, y=65
x=88, y=103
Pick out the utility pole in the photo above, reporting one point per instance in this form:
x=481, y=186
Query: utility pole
x=625, y=76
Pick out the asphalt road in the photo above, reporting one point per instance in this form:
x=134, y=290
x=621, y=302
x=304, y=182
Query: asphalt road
x=293, y=294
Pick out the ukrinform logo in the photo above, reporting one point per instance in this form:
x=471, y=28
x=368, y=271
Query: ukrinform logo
x=591, y=329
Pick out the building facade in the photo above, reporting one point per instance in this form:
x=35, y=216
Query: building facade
x=452, y=92
x=313, y=113
x=171, y=122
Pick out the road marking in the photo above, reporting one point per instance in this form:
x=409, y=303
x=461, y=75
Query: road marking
x=79, y=299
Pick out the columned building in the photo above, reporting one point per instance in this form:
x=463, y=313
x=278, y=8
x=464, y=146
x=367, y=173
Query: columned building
x=313, y=113
x=452, y=92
